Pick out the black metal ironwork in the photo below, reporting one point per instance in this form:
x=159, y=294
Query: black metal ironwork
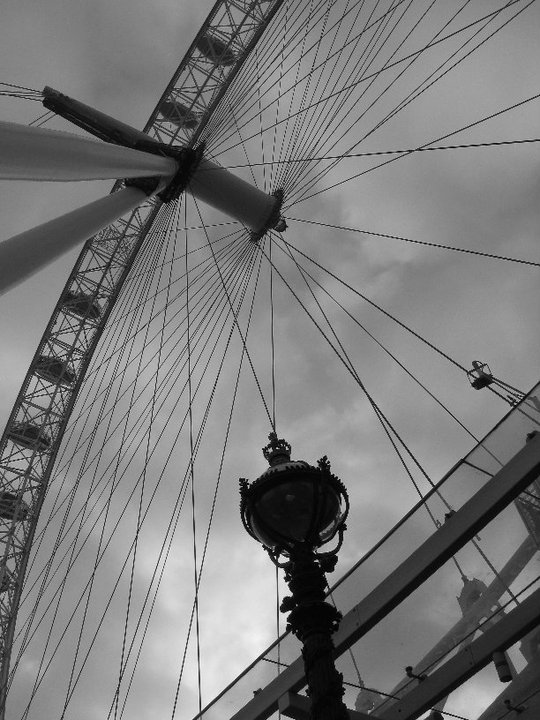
x=116, y=132
x=409, y=673
x=318, y=507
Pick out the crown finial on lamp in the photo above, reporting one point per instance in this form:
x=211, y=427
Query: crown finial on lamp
x=277, y=451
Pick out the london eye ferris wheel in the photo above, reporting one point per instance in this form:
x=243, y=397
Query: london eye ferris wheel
x=390, y=147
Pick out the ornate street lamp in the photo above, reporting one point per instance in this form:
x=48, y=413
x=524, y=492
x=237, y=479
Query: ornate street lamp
x=294, y=509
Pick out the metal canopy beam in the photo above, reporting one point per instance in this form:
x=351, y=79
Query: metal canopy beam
x=505, y=577
x=298, y=707
x=468, y=661
x=475, y=514
x=524, y=690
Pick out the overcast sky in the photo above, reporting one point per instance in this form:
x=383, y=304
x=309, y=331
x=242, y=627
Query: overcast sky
x=118, y=56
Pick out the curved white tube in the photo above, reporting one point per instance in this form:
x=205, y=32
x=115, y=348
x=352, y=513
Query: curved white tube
x=224, y=191
x=30, y=153
x=23, y=255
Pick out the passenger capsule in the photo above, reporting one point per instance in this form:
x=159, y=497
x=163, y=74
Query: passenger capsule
x=12, y=507
x=215, y=49
x=179, y=114
x=480, y=376
x=29, y=436
x=81, y=305
x=54, y=370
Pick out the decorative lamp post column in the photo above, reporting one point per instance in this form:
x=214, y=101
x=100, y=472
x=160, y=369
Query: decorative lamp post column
x=294, y=509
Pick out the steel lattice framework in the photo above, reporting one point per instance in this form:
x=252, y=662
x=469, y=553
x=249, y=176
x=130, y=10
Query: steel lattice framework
x=34, y=431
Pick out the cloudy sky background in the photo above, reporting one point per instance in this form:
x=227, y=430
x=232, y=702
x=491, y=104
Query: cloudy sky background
x=118, y=56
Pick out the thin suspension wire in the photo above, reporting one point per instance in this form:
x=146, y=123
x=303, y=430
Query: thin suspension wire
x=192, y=482
x=144, y=477
x=185, y=485
x=257, y=382
x=416, y=54
x=385, y=350
x=354, y=76
x=145, y=386
x=346, y=361
x=389, y=431
x=409, y=151
x=125, y=657
x=48, y=565
x=299, y=120
x=387, y=425
x=350, y=87
x=272, y=334
x=378, y=307
x=339, y=56
x=438, y=139
x=42, y=119
x=207, y=295
x=217, y=129
x=278, y=104
x=366, y=59
x=114, y=589
x=40, y=675
x=246, y=275
x=467, y=251
x=293, y=85
x=172, y=382
x=221, y=462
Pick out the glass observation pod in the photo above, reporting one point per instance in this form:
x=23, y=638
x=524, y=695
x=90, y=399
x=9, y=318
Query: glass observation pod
x=29, y=436
x=178, y=114
x=480, y=376
x=12, y=507
x=215, y=49
x=81, y=305
x=54, y=370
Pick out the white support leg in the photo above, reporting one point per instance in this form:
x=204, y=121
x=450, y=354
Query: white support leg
x=30, y=153
x=23, y=255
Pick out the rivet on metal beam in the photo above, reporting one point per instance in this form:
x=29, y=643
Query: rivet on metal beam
x=517, y=709
x=409, y=673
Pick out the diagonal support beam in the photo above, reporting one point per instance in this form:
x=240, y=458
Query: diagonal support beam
x=99, y=124
x=468, y=661
x=523, y=690
x=505, y=577
x=32, y=153
x=472, y=517
x=298, y=707
x=23, y=255
x=212, y=184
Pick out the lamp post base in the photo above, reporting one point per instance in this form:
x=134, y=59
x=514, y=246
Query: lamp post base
x=313, y=621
